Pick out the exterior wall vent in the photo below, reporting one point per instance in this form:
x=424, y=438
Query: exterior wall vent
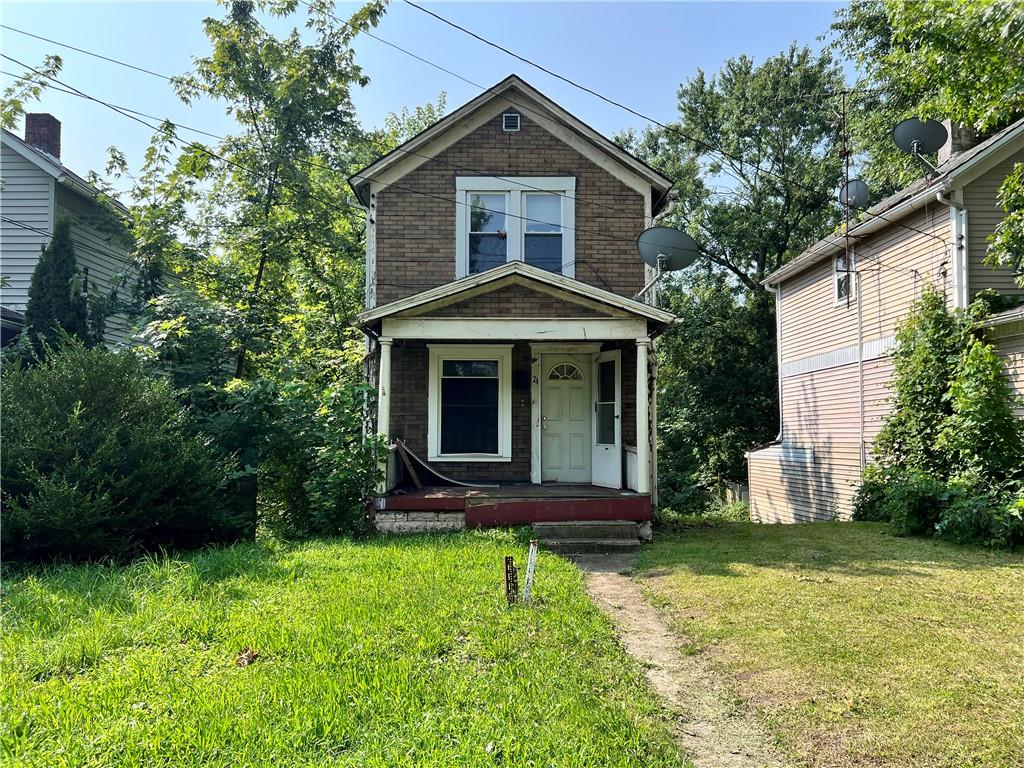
x=510, y=122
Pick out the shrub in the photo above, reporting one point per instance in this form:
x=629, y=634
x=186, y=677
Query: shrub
x=56, y=301
x=869, y=503
x=915, y=503
x=98, y=461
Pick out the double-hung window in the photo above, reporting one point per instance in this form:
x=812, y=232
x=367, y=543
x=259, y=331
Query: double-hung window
x=502, y=219
x=469, y=402
x=844, y=279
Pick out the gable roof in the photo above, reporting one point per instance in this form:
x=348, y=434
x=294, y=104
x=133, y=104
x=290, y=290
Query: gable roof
x=498, y=277
x=958, y=168
x=509, y=88
x=51, y=166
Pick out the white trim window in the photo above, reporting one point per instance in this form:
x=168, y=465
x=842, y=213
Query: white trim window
x=469, y=403
x=844, y=279
x=522, y=218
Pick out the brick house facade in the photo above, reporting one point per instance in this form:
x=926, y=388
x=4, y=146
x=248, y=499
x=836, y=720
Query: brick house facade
x=501, y=270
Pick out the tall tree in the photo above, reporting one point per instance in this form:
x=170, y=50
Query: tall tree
x=763, y=137
x=56, y=299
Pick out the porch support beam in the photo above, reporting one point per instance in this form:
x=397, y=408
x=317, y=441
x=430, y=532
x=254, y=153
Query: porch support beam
x=643, y=419
x=384, y=403
x=489, y=329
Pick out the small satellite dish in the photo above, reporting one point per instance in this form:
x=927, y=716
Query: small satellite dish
x=919, y=137
x=854, y=194
x=667, y=249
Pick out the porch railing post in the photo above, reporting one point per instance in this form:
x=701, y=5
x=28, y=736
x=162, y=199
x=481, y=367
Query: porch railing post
x=643, y=418
x=384, y=401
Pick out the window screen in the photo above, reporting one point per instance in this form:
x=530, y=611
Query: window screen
x=469, y=406
x=542, y=239
x=606, y=403
x=488, y=231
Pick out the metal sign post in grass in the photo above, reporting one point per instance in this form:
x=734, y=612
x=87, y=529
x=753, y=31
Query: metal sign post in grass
x=531, y=567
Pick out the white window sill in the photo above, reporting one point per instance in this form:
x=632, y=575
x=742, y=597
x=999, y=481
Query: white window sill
x=470, y=457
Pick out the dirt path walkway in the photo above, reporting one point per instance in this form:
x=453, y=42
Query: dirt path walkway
x=712, y=732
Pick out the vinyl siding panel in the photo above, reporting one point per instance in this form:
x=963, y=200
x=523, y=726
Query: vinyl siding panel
x=784, y=490
x=1011, y=349
x=983, y=216
x=877, y=375
x=820, y=408
x=26, y=196
x=101, y=247
x=894, y=265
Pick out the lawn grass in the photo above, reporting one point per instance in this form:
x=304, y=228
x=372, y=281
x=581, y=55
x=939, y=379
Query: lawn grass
x=392, y=652
x=860, y=648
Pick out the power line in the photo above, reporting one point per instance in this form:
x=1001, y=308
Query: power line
x=668, y=127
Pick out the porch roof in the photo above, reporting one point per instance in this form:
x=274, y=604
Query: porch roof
x=522, y=273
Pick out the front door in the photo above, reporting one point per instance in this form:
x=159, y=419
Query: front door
x=565, y=419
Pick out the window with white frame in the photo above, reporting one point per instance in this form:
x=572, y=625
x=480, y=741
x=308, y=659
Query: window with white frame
x=502, y=219
x=844, y=278
x=469, y=403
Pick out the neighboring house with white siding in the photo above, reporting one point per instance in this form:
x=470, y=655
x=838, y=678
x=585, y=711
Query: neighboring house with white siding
x=36, y=189
x=836, y=328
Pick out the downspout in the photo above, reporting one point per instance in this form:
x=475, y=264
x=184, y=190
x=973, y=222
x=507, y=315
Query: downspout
x=778, y=355
x=959, y=254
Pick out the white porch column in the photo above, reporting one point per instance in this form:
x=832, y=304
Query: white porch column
x=384, y=401
x=643, y=418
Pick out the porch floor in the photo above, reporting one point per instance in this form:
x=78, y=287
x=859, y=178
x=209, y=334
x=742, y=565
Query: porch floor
x=520, y=504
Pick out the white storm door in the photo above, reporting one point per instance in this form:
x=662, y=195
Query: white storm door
x=606, y=448
x=565, y=419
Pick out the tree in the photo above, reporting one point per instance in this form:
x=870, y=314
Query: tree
x=1006, y=243
x=56, y=300
x=764, y=139
x=947, y=59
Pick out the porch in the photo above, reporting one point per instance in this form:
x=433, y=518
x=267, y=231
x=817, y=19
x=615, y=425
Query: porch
x=512, y=504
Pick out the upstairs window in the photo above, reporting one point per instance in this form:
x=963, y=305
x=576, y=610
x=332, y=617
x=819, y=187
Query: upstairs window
x=502, y=219
x=844, y=279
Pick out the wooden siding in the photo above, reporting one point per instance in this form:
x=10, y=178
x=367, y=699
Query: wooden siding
x=983, y=215
x=102, y=248
x=894, y=265
x=415, y=224
x=26, y=196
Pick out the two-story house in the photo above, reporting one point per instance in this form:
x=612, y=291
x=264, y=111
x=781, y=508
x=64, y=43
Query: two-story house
x=837, y=321
x=36, y=189
x=509, y=348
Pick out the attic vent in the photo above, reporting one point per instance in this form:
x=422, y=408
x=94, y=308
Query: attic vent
x=510, y=122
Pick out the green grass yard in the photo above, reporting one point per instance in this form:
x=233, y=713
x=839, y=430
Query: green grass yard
x=383, y=653
x=860, y=648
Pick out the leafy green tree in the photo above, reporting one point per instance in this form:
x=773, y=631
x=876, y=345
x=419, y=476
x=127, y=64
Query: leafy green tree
x=1006, y=243
x=928, y=347
x=955, y=59
x=56, y=299
x=759, y=204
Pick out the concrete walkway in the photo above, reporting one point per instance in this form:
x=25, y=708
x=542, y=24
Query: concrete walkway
x=713, y=732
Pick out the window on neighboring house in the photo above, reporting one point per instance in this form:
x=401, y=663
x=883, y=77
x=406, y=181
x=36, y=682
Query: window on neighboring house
x=844, y=279
x=501, y=219
x=469, y=403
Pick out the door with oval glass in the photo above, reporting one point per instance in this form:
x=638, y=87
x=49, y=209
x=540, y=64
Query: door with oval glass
x=565, y=419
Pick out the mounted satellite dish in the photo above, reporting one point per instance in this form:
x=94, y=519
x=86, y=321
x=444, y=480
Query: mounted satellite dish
x=854, y=194
x=667, y=250
x=919, y=137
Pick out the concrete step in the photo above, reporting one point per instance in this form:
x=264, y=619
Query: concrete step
x=591, y=546
x=587, y=530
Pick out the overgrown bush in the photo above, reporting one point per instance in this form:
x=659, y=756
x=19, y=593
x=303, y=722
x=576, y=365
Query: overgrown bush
x=98, y=462
x=952, y=450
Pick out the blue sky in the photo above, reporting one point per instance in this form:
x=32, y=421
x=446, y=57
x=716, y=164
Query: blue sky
x=637, y=53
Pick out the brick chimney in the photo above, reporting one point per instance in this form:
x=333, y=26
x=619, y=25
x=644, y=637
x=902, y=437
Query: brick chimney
x=42, y=131
x=961, y=138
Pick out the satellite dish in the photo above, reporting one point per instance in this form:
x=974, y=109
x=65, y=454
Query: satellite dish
x=854, y=194
x=667, y=249
x=919, y=137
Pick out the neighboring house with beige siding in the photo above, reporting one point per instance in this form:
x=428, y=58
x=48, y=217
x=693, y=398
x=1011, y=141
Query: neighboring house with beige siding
x=837, y=324
x=36, y=189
